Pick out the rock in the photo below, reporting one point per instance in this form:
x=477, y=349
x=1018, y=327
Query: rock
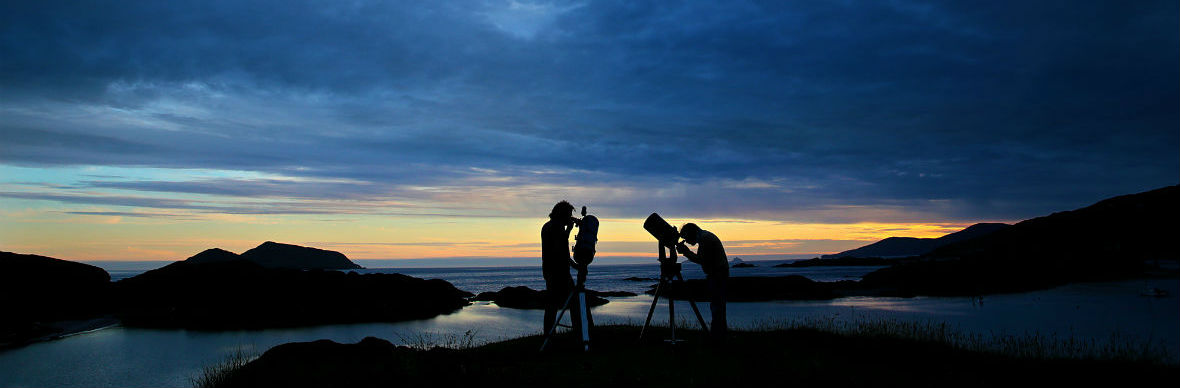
x=610, y=293
x=241, y=294
x=738, y=263
x=521, y=297
x=750, y=289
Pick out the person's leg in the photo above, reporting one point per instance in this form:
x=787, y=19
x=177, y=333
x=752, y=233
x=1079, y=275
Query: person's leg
x=552, y=289
x=575, y=312
x=717, y=290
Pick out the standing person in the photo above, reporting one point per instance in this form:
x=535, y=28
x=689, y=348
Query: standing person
x=710, y=255
x=555, y=263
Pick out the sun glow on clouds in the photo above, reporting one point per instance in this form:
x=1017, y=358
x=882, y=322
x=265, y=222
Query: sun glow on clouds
x=104, y=210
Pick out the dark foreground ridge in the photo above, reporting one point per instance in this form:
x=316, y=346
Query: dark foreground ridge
x=797, y=357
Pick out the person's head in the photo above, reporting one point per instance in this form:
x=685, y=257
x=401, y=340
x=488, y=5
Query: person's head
x=689, y=233
x=561, y=211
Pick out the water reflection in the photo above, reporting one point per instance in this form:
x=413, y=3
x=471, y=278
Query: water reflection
x=121, y=356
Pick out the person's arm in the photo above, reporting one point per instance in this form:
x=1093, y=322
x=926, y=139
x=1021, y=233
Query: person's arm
x=569, y=227
x=683, y=249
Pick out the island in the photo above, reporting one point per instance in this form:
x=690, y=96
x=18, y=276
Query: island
x=521, y=297
x=242, y=294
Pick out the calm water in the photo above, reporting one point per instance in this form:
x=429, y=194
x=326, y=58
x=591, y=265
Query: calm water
x=120, y=356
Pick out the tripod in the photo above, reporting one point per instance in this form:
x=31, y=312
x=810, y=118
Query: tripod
x=669, y=273
x=579, y=291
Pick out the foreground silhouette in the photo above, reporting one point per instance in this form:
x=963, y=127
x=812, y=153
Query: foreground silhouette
x=555, y=263
x=797, y=357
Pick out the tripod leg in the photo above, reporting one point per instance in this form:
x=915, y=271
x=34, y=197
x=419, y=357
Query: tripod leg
x=696, y=310
x=560, y=314
x=585, y=323
x=672, y=318
x=652, y=310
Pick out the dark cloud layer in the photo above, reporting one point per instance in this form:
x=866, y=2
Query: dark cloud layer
x=960, y=110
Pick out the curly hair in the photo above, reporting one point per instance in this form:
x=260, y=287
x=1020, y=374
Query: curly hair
x=561, y=210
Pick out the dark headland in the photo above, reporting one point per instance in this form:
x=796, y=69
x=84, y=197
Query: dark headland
x=1118, y=238
x=910, y=246
x=42, y=297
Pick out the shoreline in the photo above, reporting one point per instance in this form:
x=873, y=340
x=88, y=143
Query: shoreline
x=64, y=329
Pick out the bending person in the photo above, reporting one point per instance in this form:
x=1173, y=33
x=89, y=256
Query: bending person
x=710, y=255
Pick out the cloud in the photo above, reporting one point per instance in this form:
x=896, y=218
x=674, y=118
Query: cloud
x=817, y=111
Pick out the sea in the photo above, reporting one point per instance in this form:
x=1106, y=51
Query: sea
x=119, y=356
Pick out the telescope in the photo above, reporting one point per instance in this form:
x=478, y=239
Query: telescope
x=665, y=233
x=668, y=238
x=586, y=238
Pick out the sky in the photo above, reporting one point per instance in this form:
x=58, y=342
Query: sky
x=151, y=130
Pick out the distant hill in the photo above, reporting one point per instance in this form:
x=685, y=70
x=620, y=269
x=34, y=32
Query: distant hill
x=910, y=246
x=1108, y=240
x=240, y=294
x=275, y=255
x=213, y=255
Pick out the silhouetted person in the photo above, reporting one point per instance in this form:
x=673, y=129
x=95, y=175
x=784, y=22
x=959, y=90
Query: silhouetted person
x=555, y=264
x=710, y=255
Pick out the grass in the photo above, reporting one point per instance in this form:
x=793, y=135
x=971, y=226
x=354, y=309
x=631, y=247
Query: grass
x=218, y=374
x=428, y=340
x=808, y=352
x=1028, y=345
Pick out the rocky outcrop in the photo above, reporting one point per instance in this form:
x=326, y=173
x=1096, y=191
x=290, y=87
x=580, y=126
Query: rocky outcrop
x=522, y=297
x=750, y=289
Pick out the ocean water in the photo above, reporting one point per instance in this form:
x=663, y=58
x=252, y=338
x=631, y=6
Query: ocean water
x=119, y=356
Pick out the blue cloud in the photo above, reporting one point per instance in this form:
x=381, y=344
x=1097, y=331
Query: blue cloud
x=1002, y=110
